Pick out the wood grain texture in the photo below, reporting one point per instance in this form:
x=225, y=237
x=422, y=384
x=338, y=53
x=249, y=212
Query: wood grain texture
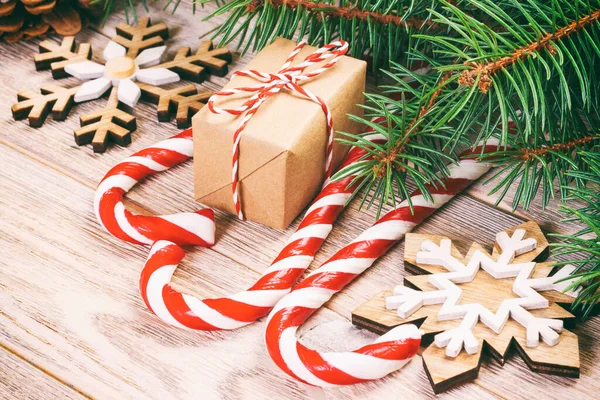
x=21, y=380
x=68, y=292
x=194, y=67
x=183, y=102
x=36, y=106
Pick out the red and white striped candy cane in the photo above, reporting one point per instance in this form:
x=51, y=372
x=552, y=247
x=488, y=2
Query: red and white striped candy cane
x=392, y=350
x=287, y=78
x=183, y=228
x=247, y=306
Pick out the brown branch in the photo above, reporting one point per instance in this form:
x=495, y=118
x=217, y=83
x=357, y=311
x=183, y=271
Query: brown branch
x=530, y=153
x=485, y=70
x=388, y=158
x=348, y=12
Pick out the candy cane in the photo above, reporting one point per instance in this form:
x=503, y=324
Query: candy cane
x=245, y=307
x=392, y=350
x=183, y=228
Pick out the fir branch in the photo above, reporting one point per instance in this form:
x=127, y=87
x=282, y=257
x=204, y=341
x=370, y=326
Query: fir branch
x=349, y=12
x=386, y=159
x=545, y=164
x=543, y=85
x=379, y=30
x=412, y=150
x=531, y=153
x=536, y=59
x=542, y=105
x=582, y=248
x=481, y=72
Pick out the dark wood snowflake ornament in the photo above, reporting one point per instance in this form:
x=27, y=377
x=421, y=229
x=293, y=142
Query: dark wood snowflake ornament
x=132, y=70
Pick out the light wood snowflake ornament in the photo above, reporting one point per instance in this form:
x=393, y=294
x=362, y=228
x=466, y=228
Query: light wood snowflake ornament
x=481, y=301
x=132, y=68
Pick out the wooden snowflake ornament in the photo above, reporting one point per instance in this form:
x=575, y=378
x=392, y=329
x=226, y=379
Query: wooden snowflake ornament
x=56, y=57
x=131, y=70
x=466, y=304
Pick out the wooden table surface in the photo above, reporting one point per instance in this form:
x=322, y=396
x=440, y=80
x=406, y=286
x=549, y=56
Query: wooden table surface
x=72, y=323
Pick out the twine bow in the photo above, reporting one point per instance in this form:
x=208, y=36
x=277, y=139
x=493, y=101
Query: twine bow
x=288, y=78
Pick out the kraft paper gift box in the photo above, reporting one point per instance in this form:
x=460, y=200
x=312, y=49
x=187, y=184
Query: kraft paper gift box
x=283, y=147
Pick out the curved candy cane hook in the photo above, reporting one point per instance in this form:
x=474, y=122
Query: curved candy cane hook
x=183, y=228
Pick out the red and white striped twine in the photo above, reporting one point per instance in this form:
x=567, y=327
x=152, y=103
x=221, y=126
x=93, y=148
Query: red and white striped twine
x=183, y=228
x=245, y=307
x=392, y=350
x=287, y=78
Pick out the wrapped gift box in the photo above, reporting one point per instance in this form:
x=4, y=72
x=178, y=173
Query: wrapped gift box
x=283, y=147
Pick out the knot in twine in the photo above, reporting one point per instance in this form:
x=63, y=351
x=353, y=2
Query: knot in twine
x=289, y=78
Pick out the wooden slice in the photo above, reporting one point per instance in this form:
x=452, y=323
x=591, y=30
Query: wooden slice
x=165, y=99
x=183, y=102
x=37, y=106
x=188, y=106
x=57, y=57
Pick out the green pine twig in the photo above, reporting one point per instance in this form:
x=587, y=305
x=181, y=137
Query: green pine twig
x=411, y=152
x=379, y=30
x=582, y=248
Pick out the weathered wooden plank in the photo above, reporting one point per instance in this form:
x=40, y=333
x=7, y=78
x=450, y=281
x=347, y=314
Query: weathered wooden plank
x=70, y=306
x=239, y=243
x=21, y=380
x=69, y=297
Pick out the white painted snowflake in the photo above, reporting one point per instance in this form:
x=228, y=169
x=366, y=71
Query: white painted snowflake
x=120, y=70
x=488, y=303
x=449, y=293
